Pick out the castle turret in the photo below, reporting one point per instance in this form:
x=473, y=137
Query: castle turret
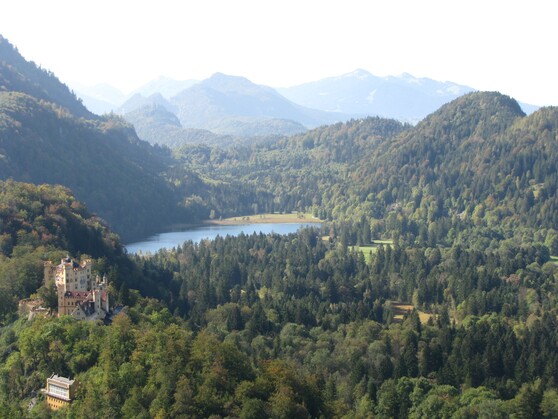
x=78, y=289
x=48, y=273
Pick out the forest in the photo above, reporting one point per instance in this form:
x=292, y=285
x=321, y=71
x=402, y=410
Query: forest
x=429, y=291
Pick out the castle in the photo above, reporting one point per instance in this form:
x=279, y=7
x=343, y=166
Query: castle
x=79, y=293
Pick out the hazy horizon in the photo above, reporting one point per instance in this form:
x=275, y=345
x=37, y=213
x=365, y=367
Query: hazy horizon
x=282, y=44
x=162, y=77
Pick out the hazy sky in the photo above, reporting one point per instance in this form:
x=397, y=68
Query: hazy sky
x=509, y=46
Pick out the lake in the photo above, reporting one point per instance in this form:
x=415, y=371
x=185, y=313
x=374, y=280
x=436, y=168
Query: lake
x=176, y=238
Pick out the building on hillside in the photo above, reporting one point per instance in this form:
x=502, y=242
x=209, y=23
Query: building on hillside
x=59, y=391
x=80, y=294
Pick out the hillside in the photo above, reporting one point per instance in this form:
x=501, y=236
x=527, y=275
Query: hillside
x=478, y=154
x=52, y=138
x=306, y=172
x=19, y=75
x=46, y=222
x=157, y=125
x=476, y=161
x=102, y=161
x=41, y=222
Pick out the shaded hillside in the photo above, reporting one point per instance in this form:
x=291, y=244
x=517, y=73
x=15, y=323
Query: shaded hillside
x=52, y=138
x=19, y=75
x=102, y=161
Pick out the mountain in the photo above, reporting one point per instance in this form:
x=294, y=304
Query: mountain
x=478, y=159
x=17, y=74
x=157, y=125
x=52, y=138
x=137, y=101
x=104, y=98
x=405, y=98
x=102, y=161
x=234, y=105
x=165, y=86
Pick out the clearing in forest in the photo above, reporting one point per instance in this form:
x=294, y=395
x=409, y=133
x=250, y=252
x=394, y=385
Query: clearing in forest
x=293, y=217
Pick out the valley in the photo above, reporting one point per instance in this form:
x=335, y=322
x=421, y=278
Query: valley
x=428, y=286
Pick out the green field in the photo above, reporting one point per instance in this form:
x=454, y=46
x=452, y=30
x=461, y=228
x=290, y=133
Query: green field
x=293, y=217
x=367, y=250
x=400, y=309
x=554, y=259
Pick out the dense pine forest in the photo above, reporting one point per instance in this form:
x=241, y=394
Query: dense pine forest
x=431, y=289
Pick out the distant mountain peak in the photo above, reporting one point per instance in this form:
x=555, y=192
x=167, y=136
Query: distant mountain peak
x=234, y=105
x=138, y=100
x=410, y=79
x=166, y=86
x=407, y=76
x=359, y=73
x=227, y=83
x=403, y=97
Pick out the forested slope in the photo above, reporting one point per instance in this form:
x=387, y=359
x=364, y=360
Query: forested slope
x=40, y=223
x=102, y=161
x=19, y=75
x=47, y=136
x=478, y=161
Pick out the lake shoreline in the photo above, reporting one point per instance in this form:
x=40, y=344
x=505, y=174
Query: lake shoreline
x=266, y=219
x=210, y=229
x=291, y=218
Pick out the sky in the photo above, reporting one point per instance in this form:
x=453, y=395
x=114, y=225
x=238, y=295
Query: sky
x=506, y=46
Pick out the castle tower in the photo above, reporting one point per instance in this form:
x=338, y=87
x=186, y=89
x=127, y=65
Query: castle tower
x=79, y=293
x=72, y=276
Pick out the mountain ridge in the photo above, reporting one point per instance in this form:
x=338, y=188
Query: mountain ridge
x=233, y=96
x=406, y=97
x=17, y=74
